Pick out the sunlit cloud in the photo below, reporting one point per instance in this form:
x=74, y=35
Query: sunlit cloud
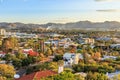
x=107, y=10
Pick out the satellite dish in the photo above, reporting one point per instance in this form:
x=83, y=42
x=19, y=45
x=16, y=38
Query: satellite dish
x=16, y=76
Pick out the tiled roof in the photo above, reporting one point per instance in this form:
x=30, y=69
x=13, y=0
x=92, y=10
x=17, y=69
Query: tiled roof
x=37, y=75
x=33, y=53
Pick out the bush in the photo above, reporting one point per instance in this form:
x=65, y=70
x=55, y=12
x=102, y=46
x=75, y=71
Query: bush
x=96, y=76
x=58, y=57
x=93, y=68
x=78, y=67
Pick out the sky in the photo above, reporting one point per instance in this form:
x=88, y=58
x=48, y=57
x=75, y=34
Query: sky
x=59, y=11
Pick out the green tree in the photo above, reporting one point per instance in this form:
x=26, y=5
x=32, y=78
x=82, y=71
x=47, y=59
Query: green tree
x=53, y=66
x=7, y=71
x=9, y=57
x=64, y=76
x=48, y=52
x=29, y=60
x=20, y=56
x=116, y=77
x=17, y=63
x=96, y=76
x=58, y=57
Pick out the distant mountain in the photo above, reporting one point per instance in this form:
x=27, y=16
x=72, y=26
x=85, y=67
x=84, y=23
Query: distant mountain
x=85, y=25
x=19, y=26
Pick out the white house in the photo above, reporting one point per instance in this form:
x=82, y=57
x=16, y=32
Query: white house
x=2, y=31
x=71, y=58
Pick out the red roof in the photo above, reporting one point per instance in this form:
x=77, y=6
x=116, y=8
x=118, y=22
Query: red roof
x=37, y=75
x=2, y=52
x=33, y=53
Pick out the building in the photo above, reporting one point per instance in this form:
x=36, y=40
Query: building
x=115, y=46
x=72, y=58
x=37, y=75
x=86, y=41
x=29, y=52
x=2, y=54
x=2, y=31
x=65, y=41
x=20, y=35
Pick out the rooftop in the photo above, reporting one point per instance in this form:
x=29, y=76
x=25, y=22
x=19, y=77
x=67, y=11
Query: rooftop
x=37, y=75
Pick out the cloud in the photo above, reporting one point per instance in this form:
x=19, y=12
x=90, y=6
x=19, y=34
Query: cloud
x=105, y=0
x=108, y=10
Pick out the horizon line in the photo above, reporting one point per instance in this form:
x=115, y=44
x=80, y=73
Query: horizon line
x=62, y=22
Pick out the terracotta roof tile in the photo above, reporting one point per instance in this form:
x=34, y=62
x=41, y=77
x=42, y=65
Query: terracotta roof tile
x=38, y=75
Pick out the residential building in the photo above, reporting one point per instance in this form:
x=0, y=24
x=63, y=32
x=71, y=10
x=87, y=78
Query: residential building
x=2, y=31
x=37, y=75
x=86, y=41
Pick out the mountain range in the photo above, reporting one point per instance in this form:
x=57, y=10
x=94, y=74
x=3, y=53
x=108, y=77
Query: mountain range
x=84, y=25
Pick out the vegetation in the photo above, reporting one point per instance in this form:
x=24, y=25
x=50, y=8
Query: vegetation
x=45, y=66
x=96, y=76
x=93, y=68
x=65, y=76
x=91, y=64
x=6, y=71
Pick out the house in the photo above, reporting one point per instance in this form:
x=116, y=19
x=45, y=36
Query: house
x=71, y=58
x=2, y=31
x=66, y=42
x=55, y=35
x=109, y=57
x=111, y=75
x=51, y=42
x=86, y=41
x=117, y=40
x=29, y=52
x=2, y=54
x=33, y=53
x=37, y=75
x=20, y=35
x=104, y=39
x=115, y=45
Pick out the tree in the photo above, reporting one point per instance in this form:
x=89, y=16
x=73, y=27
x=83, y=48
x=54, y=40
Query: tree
x=17, y=63
x=60, y=63
x=7, y=71
x=9, y=43
x=97, y=56
x=60, y=51
x=9, y=57
x=29, y=60
x=64, y=76
x=53, y=66
x=116, y=77
x=96, y=76
x=48, y=52
x=2, y=78
x=30, y=43
x=86, y=57
x=58, y=57
x=20, y=56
